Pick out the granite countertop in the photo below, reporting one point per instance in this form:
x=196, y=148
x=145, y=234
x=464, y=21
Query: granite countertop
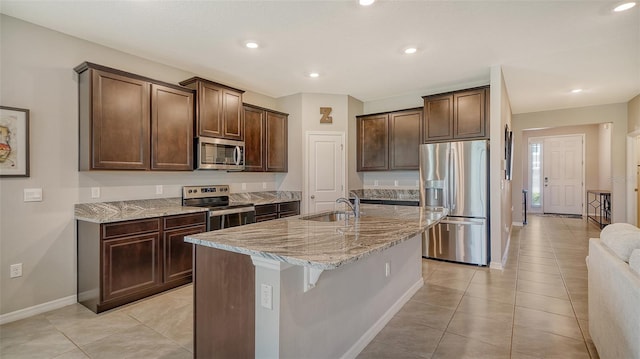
x=107, y=212
x=324, y=245
x=117, y=211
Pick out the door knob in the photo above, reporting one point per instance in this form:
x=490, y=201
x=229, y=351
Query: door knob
x=313, y=196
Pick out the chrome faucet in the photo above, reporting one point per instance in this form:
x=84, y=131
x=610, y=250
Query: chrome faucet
x=355, y=207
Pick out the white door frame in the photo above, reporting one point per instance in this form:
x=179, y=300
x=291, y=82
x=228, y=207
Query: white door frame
x=305, y=165
x=540, y=139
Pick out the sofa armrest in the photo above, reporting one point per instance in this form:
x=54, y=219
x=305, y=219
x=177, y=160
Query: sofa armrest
x=614, y=304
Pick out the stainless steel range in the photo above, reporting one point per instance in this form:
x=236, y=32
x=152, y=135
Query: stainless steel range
x=221, y=213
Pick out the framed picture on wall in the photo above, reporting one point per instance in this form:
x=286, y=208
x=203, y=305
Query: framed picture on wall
x=14, y=142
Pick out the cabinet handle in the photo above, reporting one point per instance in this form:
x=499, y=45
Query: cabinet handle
x=313, y=196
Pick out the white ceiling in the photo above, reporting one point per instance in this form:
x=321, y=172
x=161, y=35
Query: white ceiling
x=545, y=48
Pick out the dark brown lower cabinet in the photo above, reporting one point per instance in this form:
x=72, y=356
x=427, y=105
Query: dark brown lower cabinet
x=122, y=262
x=267, y=212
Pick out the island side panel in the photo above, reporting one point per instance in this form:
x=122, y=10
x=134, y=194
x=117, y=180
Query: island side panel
x=349, y=305
x=224, y=312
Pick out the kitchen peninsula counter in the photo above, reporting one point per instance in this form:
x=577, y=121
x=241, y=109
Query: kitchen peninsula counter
x=294, y=287
x=324, y=245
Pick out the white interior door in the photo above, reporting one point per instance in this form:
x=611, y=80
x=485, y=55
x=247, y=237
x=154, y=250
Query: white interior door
x=562, y=174
x=325, y=170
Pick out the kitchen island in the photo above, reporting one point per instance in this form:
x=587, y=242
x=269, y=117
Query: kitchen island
x=304, y=286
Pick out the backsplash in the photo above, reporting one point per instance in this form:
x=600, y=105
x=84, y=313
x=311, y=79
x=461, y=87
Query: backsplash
x=399, y=194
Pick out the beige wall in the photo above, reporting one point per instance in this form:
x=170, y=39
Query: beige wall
x=592, y=158
x=355, y=179
x=616, y=114
x=604, y=156
x=499, y=187
x=633, y=110
x=36, y=65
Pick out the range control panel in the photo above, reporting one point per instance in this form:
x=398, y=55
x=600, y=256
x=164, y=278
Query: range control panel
x=205, y=191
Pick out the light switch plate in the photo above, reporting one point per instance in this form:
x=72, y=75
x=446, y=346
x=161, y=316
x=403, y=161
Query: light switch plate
x=244, y=186
x=159, y=189
x=33, y=194
x=95, y=192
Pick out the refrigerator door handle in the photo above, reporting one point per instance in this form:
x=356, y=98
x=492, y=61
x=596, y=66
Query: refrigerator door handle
x=452, y=183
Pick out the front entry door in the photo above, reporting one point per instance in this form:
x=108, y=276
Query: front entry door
x=562, y=174
x=325, y=170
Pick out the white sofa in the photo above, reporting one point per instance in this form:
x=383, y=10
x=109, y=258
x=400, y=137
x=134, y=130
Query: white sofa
x=614, y=296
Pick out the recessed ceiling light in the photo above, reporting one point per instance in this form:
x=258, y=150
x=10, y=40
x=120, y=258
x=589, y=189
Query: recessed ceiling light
x=410, y=50
x=576, y=90
x=625, y=6
x=314, y=74
x=366, y=2
x=252, y=45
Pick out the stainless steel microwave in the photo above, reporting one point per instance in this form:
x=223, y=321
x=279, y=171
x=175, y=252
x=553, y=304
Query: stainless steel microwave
x=219, y=154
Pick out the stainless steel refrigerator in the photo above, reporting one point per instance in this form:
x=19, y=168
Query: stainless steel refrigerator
x=455, y=175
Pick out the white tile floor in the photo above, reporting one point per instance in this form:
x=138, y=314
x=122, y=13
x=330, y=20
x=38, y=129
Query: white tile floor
x=535, y=308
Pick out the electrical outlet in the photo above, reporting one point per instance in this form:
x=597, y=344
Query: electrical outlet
x=387, y=269
x=95, y=192
x=264, y=185
x=32, y=194
x=266, y=296
x=244, y=186
x=159, y=189
x=15, y=270
x=395, y=183
x=375, y=183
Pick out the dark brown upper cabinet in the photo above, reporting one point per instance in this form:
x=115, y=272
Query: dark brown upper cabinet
x=266, y=136
x=456, y=115
x=389, y=141
x=171, y=129
x=130, y=122
x=404, y=139
x=218, y=109
x=373, y=142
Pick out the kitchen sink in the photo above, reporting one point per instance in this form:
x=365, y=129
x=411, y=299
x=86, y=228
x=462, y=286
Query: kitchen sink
x=328, y=217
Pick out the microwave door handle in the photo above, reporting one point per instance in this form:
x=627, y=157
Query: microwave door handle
x=236, y=155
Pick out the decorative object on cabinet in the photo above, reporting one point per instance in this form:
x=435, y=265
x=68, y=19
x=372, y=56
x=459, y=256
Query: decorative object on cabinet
x=456, y=115
x=218, y=109
x=325, y=112
x=130, y=122
x=266, y=137
x=389, y=141
x=14, y=142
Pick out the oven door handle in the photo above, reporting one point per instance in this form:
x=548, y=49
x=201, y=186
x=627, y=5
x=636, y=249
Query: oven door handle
x=222, y=212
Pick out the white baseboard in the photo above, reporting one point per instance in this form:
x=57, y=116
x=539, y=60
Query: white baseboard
x=517, y=224
x=368, y=336
x=496, y=265
x=37, y=309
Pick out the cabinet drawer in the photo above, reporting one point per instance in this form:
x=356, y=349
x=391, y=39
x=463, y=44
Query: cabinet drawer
x=266, y=209
x=129, y=228
x=184, y=220
x=290, y=207
x=266, y=217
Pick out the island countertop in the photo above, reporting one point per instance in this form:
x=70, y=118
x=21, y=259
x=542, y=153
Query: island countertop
x=324, y=245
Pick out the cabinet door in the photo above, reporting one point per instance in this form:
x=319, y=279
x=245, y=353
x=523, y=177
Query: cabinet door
x=119, y=121
x=469, y=114
x=130, y=265
x=404, y=143
x=438, y=118
x=232, y=115
x=171, y=129
x=209, y=110
x=288, y=209
x=254, y=139
x=373, y=143
x=276, y=142
x=178, y=254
